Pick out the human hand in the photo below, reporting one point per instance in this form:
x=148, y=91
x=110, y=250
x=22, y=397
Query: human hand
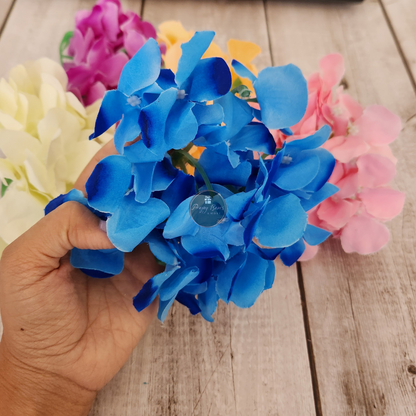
x=66, y=334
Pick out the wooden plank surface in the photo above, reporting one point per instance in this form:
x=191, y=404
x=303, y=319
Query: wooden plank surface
x=249, y=362
x=35, y=29
x=362, y=310
x=402, y=17
x=5, y=6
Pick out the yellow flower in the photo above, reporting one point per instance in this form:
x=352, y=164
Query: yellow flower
x=173, y=34
x=44, y=142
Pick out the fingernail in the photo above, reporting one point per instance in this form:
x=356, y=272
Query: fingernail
x=103, y=225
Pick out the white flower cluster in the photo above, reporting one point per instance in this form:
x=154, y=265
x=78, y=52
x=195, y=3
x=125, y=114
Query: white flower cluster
x=44, y=143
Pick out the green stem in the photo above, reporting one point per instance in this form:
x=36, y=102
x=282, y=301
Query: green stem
x=64, y=44
x=193, y=162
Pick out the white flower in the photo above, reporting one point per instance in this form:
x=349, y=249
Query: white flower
x=44, y=142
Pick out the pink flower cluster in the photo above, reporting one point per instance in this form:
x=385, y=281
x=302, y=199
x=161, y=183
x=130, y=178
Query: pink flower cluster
x=365, y=165
x=104, y=40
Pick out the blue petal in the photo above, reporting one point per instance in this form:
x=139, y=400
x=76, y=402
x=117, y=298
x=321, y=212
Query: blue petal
x=108, y=183
x=327, y=165
x=176, y=282
x=314, y=235
x=189, y=301
x=251, y=221
x=317, y=197
x=265, y=253
x=237, y=204
x=312, y=142
x=207, y=242
x=249, y=282
x=180, y=222
x=292, y=253
x=282, y=223
x=128, y=129
x=270, y=274
x=72, y=195
x=211, y=79
x=208, y=114
x=142, y=70
x=132, y=221
x=112, y=109
x=298, y=173
x=143, y=180
x=164, y=175
x=242, y=71
x=110, y=262
x=195, y=288
x=235, y=234
x=151, y=288
x=225, y=279
x=237, y=113
x=192, y=52
x=181, y=125
x=219, y=169
x=254, y=136
x=283, y=96
x=164, y=307
x=181, y=188
x=160, y=248
x=207, y=301
x=287, y=131
x=152, y=121
x=166, y=79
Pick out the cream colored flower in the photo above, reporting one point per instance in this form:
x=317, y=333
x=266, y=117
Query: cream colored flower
x=44, y=141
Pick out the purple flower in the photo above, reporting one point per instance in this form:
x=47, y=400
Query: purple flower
x=104, y=40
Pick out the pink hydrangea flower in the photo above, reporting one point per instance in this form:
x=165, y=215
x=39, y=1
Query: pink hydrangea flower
x=365, y=165
x=104, y=39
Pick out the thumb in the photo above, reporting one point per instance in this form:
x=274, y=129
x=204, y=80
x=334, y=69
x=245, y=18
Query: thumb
x=40, y=249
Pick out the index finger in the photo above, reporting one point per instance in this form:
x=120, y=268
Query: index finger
x=107, y=150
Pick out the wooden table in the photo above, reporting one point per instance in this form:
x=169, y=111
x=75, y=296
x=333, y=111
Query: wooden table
x=336, y=335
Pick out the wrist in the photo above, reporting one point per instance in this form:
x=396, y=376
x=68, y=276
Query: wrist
x=26, y=390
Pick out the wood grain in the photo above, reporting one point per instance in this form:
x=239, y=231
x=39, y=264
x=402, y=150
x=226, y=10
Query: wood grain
x=249, y=362
x=5, y=6
x=362, y=309
x=402, y=16
x=35, y=29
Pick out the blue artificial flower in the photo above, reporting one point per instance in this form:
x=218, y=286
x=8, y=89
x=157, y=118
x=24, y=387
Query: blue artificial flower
x=165, y=109
x=281, y=92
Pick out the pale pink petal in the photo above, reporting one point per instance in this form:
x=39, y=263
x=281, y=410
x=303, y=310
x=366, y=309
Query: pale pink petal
x=332, y=69
x=383, y=203
x=309, y=253
x=333, y=143
x=96, y=92
x=383, y=151
x=336, y=213
x=309, y=126
x=351, y=148
x=354, y=109
x=337, y=174
x=340, y=126
x=314, y=82
x=364, y=235
x=378, y=126
x=375, y=171
x=348, y=186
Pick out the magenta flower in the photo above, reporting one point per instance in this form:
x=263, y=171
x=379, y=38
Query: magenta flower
x=104, y=40
x=365, y=165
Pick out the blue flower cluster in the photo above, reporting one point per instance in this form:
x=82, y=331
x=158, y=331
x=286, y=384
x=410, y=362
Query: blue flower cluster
x=144, y=197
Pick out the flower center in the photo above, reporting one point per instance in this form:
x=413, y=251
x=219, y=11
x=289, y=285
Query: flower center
x=134, y=101
x=353, y=130
x=337, y=111
x=286, y=160
x=180, y=95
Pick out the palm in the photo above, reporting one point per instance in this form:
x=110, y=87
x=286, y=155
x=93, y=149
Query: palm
x=89, y=326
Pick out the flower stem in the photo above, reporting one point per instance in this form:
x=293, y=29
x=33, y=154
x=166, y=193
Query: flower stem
x=193, y=162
